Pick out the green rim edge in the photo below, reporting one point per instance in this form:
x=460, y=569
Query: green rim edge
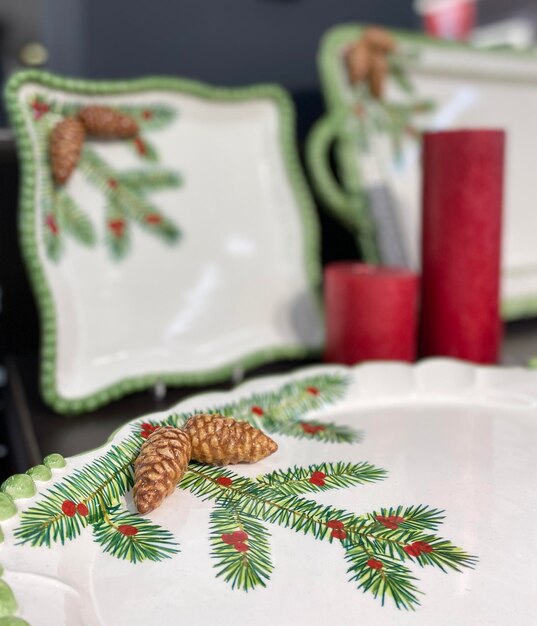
x=8, y=602
x=331, y=43
x=35, y=268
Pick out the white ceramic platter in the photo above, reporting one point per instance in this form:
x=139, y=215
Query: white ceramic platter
x=467, y=88
x=385, y=474
x=173, y=256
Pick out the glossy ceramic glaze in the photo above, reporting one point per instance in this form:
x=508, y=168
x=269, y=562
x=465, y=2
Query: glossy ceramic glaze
x=237, y=287
x=468, y=89
x=450, y=436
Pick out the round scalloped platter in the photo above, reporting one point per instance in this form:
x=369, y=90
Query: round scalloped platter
x=386, y=475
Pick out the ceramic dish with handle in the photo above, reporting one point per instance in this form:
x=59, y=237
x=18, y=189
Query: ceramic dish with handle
x=174, y=255
x=431, y=85
x=399, y=494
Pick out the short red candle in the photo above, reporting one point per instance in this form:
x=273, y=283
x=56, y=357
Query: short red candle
x=461, y=235
x=370, y=312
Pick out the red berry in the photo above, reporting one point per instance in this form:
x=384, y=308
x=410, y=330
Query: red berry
x=224, y=481
x=313, y=391
x=39, y=108
x=127, y=530
x=228, y=538
x=140, y=146
x=335, y=523
x=117, y=227
x=338, y=534
x=112, y=183
x=317, y=478
x=241, y=547
x=392, y=522
x=311, y=429
x=153, y=219
x=412, y=550
x=423, y=546
x=69, y=508
x=82, y=509
x=147, y=115
x=240, y=535
x=51, y=223
x=257, y=410
x=374, y=564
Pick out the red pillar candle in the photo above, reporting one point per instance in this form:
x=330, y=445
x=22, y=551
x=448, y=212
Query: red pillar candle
x=370, y=312
x=462, y=207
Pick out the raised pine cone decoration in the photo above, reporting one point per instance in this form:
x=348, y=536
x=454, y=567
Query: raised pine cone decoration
x=357, y=59
x=160, y=465
x=65, y=146
x=101, y=121
x=223, y=440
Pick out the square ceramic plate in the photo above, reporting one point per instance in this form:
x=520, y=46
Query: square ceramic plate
x=439, y=85
x=399, y=495
x=173, y=256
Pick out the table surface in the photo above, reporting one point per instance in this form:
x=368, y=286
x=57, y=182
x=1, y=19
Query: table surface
x=39, y=431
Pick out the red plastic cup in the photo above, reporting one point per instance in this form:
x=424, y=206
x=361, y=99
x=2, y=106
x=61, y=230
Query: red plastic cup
x=447, y=19
x=370, y=312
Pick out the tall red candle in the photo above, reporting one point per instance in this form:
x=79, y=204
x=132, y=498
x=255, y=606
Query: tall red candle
x=370, y=312
x=462, y=223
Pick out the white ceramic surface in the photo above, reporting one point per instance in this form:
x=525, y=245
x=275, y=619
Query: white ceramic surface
x=470, y=89
x=236, y=284
x=450, y=436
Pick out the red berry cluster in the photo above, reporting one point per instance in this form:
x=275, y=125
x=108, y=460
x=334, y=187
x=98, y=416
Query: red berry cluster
x=153, y=219
x=112, y=183
x=338, y=529
x=117, y=227
x=39, y=108
x=392, y=521
x=417, y=548
x=71, y=509
x=317, y=478
x=127, y=530
x=237, y=539
x=51, y=223
x=147, y=429
x=257, y=410
x=313, y=391
x=375, y=564
x=312, y=429
x=225, y=481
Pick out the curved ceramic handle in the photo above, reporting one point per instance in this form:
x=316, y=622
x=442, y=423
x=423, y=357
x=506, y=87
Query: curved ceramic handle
x=346, y=200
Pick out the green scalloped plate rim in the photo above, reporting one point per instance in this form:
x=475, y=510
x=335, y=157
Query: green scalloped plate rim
x=331, y=42
x=35, y=269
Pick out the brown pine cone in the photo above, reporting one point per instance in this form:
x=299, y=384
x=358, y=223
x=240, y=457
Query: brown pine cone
x=357, y=59
x=379, y=40
x=107, y=123
x=377, y=75
x=65, y=145
x=160, y=465
x=223, y=440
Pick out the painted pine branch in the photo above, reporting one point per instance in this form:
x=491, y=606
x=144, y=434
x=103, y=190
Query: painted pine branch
x=76, y=501
x=321, y=477
x=378, y=546
x=151, y=116
x=240, y=547
x=283, y=412
x=131, y=537
x=73, y=220
x=142, y=180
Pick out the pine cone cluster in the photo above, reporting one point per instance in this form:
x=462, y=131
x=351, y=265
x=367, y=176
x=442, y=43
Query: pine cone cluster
x=205, y=438
x=67, y=137
x=367, y=59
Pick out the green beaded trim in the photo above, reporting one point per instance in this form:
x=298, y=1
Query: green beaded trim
x=35, y=268
x=343, y=198
x=13, y=488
